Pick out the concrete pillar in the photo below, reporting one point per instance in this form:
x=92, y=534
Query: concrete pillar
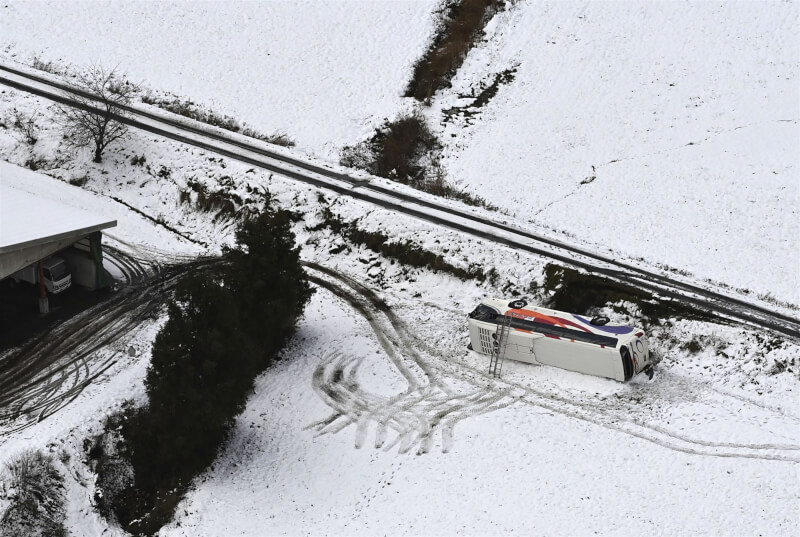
x=44, y=304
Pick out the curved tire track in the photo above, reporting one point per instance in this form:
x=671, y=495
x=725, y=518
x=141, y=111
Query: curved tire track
x=51, y=371
x=418, y=413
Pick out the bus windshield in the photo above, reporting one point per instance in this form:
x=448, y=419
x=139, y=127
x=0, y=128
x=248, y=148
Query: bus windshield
x=484, y=313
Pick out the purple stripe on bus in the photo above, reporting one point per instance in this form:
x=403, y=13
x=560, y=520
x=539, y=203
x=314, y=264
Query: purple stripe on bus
x=610, y=329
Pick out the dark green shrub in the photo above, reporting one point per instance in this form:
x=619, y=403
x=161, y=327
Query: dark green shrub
x=225, y=326
x=266, y=276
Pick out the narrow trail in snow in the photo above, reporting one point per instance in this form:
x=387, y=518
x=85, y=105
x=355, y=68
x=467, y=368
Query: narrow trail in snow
x=443, y=391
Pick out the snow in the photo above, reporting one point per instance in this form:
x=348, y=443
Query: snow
x=64, y=435
x=521, y=469
x=25, y=215
x=387, y=424
x=688, y=126
x=686, y=115
x=541, y=451
x=325, y=73
x=75, y=208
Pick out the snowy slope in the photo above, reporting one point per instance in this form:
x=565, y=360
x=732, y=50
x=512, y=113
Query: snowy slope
x=681, y=118
x=342, y=452
x=388, y=425
x=521, y=469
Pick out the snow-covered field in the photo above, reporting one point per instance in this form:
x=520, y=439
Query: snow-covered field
x=405, y=433
x=664, y=130
x=385, y=423
x=683, y=116
x=325, y=73
x=521, y=469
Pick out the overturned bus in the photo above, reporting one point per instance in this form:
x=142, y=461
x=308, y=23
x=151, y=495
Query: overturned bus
x=517, y=331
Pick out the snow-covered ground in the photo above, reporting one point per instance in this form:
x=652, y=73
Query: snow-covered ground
x=325, y=73
x=385, y=423
x=664, y=130
x=680, y=118
x=521, y=469
x=388, y=424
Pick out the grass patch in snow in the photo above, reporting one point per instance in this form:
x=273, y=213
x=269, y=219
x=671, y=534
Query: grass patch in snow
x=37, y=497
x=405, y=252
x=570, y=290
x=485, y=95
x=187, y=108
x=223, y=201
x=405, y=150
x=488, y=93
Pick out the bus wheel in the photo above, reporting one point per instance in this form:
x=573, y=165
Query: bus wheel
x=600, y=321
x=516, y=304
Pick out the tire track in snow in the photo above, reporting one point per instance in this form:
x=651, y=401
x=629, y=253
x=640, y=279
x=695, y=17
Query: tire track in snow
x=52, y=370
x=620, y=418
x=416, y=414
x=434, y=412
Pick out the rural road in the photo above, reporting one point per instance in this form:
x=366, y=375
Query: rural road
x=470, y=221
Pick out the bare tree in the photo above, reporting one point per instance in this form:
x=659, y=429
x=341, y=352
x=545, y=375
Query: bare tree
x=92, y=121
x=25, y=126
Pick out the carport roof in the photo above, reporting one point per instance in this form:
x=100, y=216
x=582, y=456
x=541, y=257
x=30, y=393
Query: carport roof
x=29, y=220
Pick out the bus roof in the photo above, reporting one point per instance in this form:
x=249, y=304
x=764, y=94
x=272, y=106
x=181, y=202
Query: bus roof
x=561, y=319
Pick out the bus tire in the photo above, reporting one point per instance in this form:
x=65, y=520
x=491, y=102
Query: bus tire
x=516, y=304
x=600, y=320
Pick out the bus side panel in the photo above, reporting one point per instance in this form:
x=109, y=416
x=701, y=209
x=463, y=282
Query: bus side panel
x=580, y=357
x=572, y=356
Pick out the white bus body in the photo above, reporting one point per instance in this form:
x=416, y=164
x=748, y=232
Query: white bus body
x=550, y=337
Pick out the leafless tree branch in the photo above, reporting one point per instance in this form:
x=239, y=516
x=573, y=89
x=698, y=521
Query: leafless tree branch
x=91, y=122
